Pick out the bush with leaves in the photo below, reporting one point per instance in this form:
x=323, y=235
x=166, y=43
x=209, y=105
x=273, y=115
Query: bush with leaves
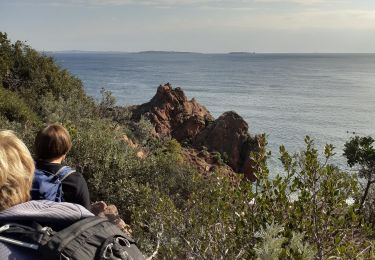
x=308, y=201
x=360, y=152
x=273, y=244
x=311, y=198
x=14, y=108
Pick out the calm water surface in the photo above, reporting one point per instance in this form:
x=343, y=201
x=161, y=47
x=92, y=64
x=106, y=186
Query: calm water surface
x=286, y=96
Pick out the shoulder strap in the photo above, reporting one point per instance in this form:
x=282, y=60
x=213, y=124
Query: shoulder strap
x=11, y=233
x=64, y=172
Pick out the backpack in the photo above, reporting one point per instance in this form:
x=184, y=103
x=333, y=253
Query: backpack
x=48, y=186
x=87, y=239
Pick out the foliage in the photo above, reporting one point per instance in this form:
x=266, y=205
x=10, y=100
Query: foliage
x=217, y=157
x=33, y=75
x=319, y=207
x=142, y=130
x=108, y=101
x=273, y=243
x=14, y=108
x=360, y=151
x=226, y=217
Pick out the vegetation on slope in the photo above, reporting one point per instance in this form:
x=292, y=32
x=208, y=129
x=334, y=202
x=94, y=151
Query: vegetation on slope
x=303, y=213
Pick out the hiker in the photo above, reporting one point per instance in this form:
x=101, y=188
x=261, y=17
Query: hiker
x=43, y=229
x=52, y=180
x=16, y=174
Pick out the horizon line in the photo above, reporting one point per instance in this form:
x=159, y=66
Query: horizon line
x=196, y=52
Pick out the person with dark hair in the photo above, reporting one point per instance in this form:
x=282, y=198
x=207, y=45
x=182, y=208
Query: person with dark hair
x=52, y=143
x=53, y=180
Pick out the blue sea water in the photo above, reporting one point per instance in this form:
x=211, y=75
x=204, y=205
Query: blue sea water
x=287, y=96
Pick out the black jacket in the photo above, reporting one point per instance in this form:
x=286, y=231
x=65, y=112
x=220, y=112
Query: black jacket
x=74, y=186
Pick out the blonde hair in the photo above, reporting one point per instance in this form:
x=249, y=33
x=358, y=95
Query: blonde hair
x=16, y=170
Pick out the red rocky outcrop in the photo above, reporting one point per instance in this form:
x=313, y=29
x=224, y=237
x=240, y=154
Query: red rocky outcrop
x=229, y=136
x=173, y=115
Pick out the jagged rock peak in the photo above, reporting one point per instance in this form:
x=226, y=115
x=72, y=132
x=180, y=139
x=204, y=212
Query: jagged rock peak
x=167, y=94
x=173, y=114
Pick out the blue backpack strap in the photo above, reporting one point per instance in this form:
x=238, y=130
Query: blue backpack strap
x=64, y=172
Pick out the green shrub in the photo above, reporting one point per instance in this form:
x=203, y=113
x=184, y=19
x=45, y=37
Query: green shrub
x=66, y=110
x=217, y=157
x=157, y=224
x=5, y=56
x=14, y=108
x=360, y=152
x=273, y=245
x=33, y=75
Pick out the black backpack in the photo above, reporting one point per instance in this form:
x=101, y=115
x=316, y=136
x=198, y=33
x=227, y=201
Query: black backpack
x=90, y=238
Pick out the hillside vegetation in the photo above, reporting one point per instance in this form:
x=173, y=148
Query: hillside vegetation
x=302, y=213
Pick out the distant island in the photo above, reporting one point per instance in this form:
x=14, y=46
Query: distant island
x=241, y=53
x=168, y=52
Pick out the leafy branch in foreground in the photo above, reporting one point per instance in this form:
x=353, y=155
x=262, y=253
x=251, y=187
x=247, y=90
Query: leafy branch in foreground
x=310, y=197
x=360, y=153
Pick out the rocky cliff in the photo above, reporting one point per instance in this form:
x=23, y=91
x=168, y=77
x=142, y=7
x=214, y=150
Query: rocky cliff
x=211, y=142
x=173, y=115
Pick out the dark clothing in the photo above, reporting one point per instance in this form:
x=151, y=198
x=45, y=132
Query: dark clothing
x=74, y=186
x=41, y=211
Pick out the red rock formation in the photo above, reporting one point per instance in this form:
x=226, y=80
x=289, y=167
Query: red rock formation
x=188, y=121
x=172, y=114
x=229, y=136
x=205, y=162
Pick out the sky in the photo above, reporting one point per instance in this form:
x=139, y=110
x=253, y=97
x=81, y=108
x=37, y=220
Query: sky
x=209, y=26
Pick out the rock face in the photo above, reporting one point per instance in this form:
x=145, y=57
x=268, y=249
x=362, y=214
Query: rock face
x=172, y=114
x=229, y=136
x=205, y=162
x=189, y=122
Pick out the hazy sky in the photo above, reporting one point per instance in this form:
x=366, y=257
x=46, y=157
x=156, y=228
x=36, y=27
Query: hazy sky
x=192, y=25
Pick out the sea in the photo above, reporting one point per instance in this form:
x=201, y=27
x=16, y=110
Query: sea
x=329, y=97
